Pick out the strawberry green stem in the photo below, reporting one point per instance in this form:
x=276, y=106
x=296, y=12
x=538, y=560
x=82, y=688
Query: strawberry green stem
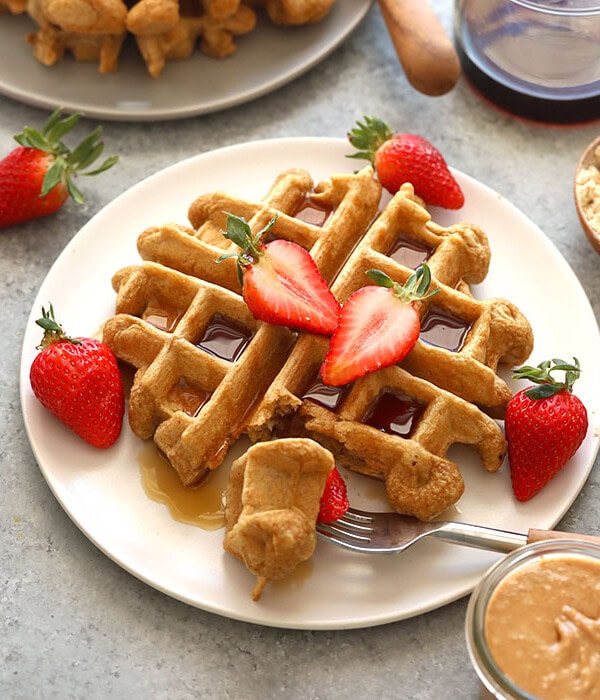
x=416, y=287
x=368, y=136
x=67, y=163
x=53, y=331
x=239, y=232
x=546, y=384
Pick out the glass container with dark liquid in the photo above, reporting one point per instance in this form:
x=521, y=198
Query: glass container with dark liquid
x=538, y=59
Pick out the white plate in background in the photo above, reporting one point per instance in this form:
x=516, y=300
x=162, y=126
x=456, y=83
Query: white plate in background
x=266, y=58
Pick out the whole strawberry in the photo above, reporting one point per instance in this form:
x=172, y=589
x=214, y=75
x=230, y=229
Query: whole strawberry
x=404, y=158
x=545, y=425
x=37, y=178
x=78, y=380
x=334, y=501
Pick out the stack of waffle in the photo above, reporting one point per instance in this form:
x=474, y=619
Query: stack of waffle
x=94, y=30
x=208, y=372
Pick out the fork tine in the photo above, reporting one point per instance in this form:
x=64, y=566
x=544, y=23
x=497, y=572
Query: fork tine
x=348, y=540
x=335, y=530
x=361, y=516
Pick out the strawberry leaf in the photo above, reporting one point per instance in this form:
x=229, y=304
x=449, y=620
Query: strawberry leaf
x=55, y=128
x=74, y=192
x=108, y=163
x=53, y=176
x=381, y=278
x=546, y=384
x=33, y=139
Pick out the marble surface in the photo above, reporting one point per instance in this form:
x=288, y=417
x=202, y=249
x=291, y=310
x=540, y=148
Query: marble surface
x=75, y=625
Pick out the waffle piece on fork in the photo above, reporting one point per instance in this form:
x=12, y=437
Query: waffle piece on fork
x=272, y=504
x=200, y=360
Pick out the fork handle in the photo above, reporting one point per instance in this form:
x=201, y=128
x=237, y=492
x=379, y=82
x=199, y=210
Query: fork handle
x=503, y=541
x=538, y=535
x=479, y=536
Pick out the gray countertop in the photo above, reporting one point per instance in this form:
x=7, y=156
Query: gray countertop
x=74, y=624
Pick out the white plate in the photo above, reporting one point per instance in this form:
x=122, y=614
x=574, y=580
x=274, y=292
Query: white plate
x=267, y=58
x=101, y=490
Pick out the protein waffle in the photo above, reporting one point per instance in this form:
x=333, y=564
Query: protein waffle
x=173, y=31
x=272, y=503
x=95, y=30
x=327, y=220
x=199, y=357
x=395, y=424
x=97, y=35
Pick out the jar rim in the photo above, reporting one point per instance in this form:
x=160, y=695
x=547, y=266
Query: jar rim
x=490, y=675
x=581, y=8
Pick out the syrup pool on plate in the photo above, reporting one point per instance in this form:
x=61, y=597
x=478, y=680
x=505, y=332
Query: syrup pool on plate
x=202, y=506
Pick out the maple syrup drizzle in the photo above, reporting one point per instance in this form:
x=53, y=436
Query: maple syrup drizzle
x=186, y=397
x=327, y=396
x=224, y=338
x=312, y=213
x=396, y=414
x=201, y=506
x=440, y=328
x=409, y=252
x=162, y=315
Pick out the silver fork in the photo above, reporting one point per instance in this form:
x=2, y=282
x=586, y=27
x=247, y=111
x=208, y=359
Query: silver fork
x=387, y=533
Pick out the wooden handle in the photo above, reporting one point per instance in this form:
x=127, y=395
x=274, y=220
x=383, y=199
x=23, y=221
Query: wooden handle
x=426, y=53
x=541, y=535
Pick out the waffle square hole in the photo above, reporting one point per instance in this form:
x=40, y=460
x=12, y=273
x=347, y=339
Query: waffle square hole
x=395, y=413
x=312, y=212
x=443, y=329
x=330, y=397
x=410, y=252
x=162, y=314
x=187, y=397
x=225, y=338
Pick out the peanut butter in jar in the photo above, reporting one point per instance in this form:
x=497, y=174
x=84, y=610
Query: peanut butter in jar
x=533, y=623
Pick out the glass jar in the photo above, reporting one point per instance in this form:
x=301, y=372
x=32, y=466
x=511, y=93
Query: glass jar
x=520, y=566
x=536, y=58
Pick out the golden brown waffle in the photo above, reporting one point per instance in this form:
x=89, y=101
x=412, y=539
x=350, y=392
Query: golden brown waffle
x=389, y=425
x=96, y=34
x=198, y=352
x=440, y=387
x=295, y=12
x=272, y=504
x=170, y=29
x=94, y=30
x=419, y=480
x=462, y=339
x=15, y=7
x=327, y=220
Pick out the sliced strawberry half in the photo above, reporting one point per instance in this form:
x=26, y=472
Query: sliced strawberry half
x=334, y=501
x=280, y=281
x=378, y=327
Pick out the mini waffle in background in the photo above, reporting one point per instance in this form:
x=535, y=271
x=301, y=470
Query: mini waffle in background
x=163, y=30
x=96, y=36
